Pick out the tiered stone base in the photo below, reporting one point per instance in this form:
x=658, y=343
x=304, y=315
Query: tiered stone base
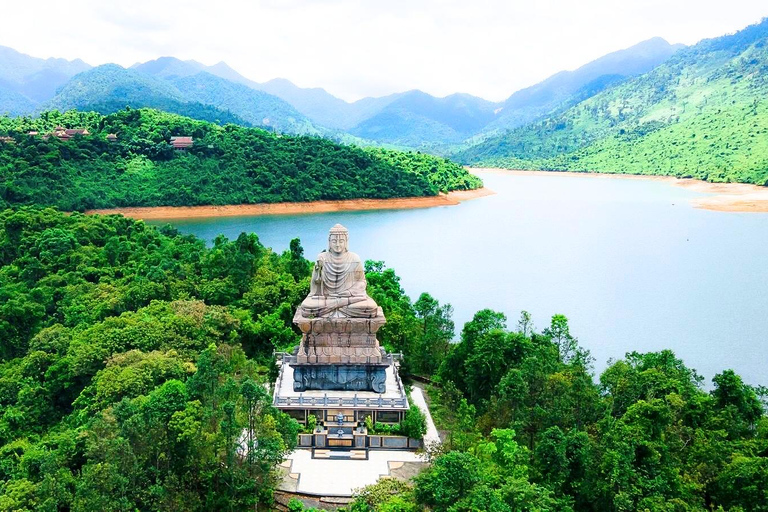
x=339, y=353
x=339, y=340
x=339, y=377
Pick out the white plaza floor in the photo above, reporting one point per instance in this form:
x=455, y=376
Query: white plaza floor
x=340, y=477
x=332, y=477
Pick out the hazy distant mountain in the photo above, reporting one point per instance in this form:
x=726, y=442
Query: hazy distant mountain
x=13, y=103
x=570, y=87
x=256, y=107
x=112, y=82
x=32, y=80
x=110, y=87
x=418, y=119
x=224, y=88
x=315, y=103
x=413, y=118
x=223, y=70
x=169, y=67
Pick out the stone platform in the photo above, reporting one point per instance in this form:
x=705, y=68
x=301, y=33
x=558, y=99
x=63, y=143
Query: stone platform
x=391, y=397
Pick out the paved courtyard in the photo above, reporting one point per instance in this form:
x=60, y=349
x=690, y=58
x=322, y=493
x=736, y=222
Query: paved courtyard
x=334, y=477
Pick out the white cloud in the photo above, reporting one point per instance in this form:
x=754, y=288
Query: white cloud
x=356, y=48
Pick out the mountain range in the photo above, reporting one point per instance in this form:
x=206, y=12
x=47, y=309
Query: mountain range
x=412, y=119
x=702, y=113
x=653, y=108
x=570, y=87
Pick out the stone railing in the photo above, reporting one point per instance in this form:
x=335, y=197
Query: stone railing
x=335, y=401
x=286, y=358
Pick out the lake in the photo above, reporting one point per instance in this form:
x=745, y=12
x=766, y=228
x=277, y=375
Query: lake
x=631, y=264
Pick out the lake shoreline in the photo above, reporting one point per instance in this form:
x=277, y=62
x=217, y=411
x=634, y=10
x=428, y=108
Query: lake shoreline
x=244, y=210
x=726, y=197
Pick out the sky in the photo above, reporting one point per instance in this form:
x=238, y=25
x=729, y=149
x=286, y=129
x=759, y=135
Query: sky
x=358, y=48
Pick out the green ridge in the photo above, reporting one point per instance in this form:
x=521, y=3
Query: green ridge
x=701, y=114
x=227, y=165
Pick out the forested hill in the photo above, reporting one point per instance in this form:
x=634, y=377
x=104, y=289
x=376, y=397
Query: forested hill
x=703, y=114
x=569, y=87
x=226, y=165
x=109, y=88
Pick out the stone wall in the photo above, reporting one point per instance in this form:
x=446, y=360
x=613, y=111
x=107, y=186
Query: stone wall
x=373, y=442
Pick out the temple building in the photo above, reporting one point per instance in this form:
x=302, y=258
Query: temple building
x=339, y=373
x=182, y=143
x=65, y=134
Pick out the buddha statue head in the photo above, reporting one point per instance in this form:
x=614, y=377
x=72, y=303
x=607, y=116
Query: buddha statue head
x=337, y=239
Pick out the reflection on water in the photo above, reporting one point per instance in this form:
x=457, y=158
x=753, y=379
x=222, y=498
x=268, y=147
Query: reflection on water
x=629, y=262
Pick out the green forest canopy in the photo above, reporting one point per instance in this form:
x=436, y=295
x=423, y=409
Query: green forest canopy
x=227, y=165
x=133, y=361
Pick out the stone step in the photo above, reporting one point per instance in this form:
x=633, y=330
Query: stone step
x=333, y=427
x=340, y=454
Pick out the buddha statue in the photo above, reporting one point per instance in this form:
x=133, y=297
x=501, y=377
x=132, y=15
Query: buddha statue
x=338, y=286
x=338, y=322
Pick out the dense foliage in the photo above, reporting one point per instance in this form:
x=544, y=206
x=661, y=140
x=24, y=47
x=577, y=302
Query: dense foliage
x=124, y=381
x=528, y=428
x=226, y=165
x=700, y=114
x=441, y=173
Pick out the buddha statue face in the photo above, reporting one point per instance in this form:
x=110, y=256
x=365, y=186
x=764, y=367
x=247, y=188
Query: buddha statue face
x=337, y=243
x=337, y=239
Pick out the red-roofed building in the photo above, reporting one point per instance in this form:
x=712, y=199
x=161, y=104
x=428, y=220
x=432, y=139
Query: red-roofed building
x=182, y=143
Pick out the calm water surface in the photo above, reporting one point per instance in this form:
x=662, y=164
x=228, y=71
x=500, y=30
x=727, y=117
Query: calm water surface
x=630, y=263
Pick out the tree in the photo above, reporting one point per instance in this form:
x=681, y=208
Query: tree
x=415, y=423
x=436, y=334
x=559, y=333
x=525, y=324
x=453, y=367
x=449, y=479
x=297, y=265
x=388, y=494
x=738, y=406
